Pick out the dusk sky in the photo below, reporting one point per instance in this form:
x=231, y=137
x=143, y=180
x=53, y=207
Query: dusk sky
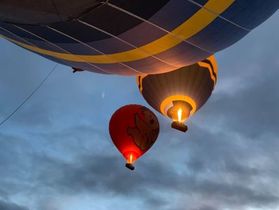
x=56, y=152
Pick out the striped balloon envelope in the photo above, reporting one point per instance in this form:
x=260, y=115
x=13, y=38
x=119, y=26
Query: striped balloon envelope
x=130, y=37
x=179, y=94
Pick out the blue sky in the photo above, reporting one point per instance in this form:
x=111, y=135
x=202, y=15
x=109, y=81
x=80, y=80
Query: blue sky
x=54, y=152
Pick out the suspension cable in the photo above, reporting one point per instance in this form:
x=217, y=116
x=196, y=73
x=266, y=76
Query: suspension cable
x=29, y=96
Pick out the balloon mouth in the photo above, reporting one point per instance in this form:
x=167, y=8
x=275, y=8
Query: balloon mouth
x=179, y=112
x=130, y=157
x=185, y=102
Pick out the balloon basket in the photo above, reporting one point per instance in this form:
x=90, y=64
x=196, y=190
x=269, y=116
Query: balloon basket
x=179, y=126
x=130, y=166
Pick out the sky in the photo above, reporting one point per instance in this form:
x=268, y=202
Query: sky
x=56, y=152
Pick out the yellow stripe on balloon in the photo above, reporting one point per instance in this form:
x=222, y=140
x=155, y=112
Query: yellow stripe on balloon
x=208, y=67
x=201, y=19
x=214, y=63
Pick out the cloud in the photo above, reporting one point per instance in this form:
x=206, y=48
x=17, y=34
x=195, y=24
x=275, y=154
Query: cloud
x=210, y=173
x=10, y=206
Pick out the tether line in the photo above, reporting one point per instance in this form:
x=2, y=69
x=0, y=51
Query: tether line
x=29, y=96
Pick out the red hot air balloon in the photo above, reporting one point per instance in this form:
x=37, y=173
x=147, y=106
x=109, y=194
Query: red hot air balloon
x=133, y=129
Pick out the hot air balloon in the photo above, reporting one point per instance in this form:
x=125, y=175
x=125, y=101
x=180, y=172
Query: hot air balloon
x=133, y=130
x=127, y=37
x=180, y=93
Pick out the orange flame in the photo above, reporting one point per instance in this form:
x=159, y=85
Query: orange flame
x=131, y=158
x=179, y=115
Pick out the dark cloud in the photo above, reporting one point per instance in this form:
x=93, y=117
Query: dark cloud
x=205, y=208
x=10, y=206
x=218, y=176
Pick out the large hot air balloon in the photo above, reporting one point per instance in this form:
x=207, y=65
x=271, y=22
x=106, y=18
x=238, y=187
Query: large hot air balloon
x=180, y=93
x=133, y=129
x=127, y=37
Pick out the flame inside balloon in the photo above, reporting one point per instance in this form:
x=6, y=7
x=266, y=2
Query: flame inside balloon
x=179, y=115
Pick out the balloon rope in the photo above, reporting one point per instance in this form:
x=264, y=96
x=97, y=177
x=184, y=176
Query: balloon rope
x=29, y=96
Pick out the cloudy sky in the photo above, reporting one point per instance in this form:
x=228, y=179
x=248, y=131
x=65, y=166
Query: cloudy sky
x=56, y=153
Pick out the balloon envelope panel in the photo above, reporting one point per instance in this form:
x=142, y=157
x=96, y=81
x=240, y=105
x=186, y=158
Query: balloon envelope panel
x=131, y=37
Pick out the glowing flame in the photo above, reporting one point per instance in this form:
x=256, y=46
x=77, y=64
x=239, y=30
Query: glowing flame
x=179, y=115
x=130, y=158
